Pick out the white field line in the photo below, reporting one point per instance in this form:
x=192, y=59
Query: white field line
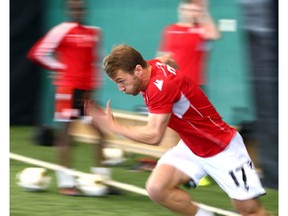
x=116, y=184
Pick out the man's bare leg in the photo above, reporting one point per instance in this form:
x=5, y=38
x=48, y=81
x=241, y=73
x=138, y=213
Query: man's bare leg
x=250, y=207
x=163, y=188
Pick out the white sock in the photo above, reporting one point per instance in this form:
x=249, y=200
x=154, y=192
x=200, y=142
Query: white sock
x=64, y=180
x=103, y=171
x=113, y=161
x=203, y=212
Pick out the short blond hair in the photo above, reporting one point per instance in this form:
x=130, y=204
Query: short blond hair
x=122, y=57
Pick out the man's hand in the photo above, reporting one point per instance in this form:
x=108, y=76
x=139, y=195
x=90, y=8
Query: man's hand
x=201, y=3
x=167, y=59
x=101, y=119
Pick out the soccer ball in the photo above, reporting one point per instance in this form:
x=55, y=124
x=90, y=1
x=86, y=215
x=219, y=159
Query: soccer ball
x=92, y=185
x=33, y=179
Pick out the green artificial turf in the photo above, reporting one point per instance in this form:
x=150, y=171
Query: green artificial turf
x=50, y=203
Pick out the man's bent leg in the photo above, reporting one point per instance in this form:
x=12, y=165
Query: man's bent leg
x=163, y=188
x=251, y=207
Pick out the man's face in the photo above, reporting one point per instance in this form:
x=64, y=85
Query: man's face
x=76, y=9
x=189, y=12
x=128, y=83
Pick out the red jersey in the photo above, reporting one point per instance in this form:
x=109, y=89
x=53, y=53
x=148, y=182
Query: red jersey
x=72, y=50
x=193, y=116
x=187, y=48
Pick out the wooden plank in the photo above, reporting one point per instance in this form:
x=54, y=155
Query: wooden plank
x=86, y=133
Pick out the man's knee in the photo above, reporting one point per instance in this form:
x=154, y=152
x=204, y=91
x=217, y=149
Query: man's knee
x=156, y=191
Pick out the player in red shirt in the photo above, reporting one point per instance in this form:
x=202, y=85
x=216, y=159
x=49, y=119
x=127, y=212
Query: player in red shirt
x=208, y=145
x=187, y=40
x=72, y=51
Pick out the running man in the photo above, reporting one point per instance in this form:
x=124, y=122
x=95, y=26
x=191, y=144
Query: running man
x=208, y=145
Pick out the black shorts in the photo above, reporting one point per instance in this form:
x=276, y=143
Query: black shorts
x=69, y=103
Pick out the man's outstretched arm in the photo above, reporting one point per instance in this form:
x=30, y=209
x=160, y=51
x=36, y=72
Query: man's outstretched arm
x=151, y=133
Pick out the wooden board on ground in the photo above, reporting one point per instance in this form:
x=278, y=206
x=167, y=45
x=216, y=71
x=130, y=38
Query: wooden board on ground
x=86, y=133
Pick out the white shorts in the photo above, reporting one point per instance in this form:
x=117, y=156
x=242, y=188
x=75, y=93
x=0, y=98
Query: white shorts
x=232, y=168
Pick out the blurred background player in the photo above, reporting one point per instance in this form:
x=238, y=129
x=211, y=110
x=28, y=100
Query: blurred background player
x=186, y=40
x=73, y=51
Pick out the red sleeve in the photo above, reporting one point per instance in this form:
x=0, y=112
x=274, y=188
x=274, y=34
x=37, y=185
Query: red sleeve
x=43, y=50
x=163, y=91
x=35, y=56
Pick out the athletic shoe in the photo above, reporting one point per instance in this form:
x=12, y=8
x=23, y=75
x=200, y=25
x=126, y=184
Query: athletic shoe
x=69, y=191
x=205, y=181
x=114, y=191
